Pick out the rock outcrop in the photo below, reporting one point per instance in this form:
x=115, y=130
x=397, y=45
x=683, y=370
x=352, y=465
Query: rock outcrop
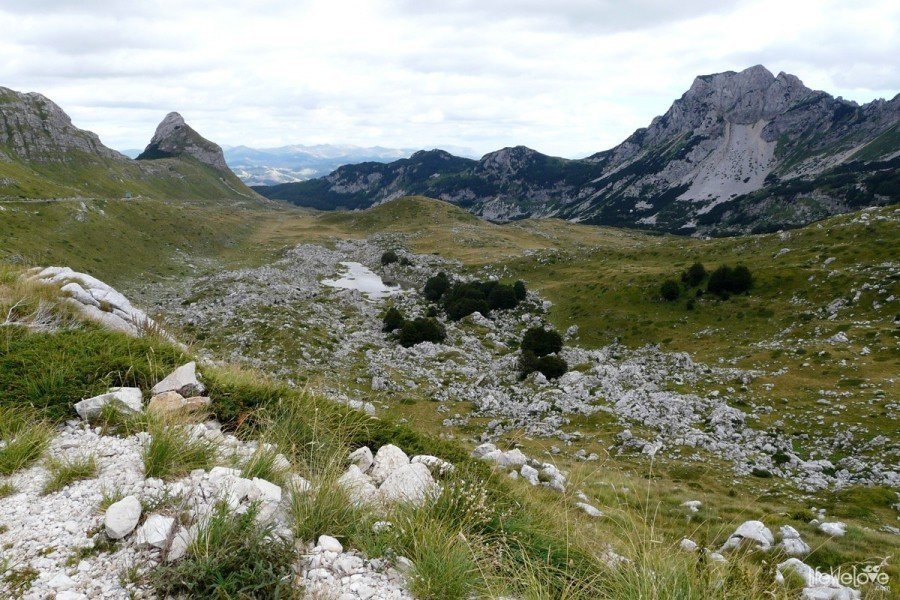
x=174, y=137
x=35, y=128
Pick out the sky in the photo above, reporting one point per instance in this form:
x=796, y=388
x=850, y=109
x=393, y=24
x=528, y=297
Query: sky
x=565, y=77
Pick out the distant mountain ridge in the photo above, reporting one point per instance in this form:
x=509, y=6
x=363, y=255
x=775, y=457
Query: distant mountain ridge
x=44, y=156
x=271, y=166
x=738, y=152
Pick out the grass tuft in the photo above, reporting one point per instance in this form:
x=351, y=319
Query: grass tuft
x=25, y=437
x=232, y=556
x=66, y=471
x=172, y=451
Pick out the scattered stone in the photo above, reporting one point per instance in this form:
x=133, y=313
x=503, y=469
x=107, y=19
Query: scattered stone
x=122, y=517
x=818, y=585
x=330, y=544
x=155, y=531
x=410, y=483
x=182, y=380
x=755, y=531
x=362, y=458
x=128, y=401
x=835, y=529
x=589, y=509
x=688, y=545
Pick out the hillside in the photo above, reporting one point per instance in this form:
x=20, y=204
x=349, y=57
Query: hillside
x=44, y=156
x=677, y=420
x=738, y=152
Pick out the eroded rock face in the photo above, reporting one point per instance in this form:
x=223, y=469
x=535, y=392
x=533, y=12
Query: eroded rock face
x=36, y=129
x=174, y=137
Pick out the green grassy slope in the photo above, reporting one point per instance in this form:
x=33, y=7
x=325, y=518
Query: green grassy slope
x=80, y=174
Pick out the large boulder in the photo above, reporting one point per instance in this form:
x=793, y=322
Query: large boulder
x=756, y=531
x=411, y=483
x=127, y=401
x=182, y=380
x=818, y=585
x=358, y=485
x=122, y=517
x=388, y=459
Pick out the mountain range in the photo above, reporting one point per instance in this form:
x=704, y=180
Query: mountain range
x=738, y=152
x=44, y=156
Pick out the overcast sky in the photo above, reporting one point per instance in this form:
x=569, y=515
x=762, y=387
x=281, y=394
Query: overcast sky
x=566, y=77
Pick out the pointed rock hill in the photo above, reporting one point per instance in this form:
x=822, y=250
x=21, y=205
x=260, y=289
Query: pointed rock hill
x=738, y=152
x=174, y=137
x=44, y=155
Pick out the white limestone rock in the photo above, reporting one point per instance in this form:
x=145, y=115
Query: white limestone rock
x=128, y=401
x=362, y=458
x=818, y=585
x=791, y=543
x=329, y=544
x=756, y=531
x=358, y=485
x=122, y=517
x=410, y=483
x=155, y=531
x=437, y=466
x=388, y=459
x=589, y=509
x=834, y=529
x=182, y=380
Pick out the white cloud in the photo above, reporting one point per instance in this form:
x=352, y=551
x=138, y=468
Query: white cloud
x=567, y=77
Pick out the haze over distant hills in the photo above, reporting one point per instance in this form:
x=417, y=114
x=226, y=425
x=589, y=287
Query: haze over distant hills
x=737, y=152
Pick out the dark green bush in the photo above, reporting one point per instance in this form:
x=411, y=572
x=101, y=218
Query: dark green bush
x=389, y=257
x=551, y=366
x=541, y=341
x=423, y=329
x=463, y=307
x=694, y=275
x=436, y=286
x=727, y=280
x=670, y=290
x=519, y=289
x=393, y=320
x=502, y=297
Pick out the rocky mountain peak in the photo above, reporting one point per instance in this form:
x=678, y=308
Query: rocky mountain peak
x=33, y=127
x=174, y=137
x=507, y=161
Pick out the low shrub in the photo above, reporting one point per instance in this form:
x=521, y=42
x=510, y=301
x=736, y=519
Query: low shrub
x=393, y=320
x=727, y=280
x=694, y=275
x=423, y=329
x=541, y=341
x=436, y=286
x=520, y=291
x=670, y=290
x=389, y=257
x=551, y=366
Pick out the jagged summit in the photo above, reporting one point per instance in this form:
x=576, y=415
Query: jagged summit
x=174, y=137
x=739, y=151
